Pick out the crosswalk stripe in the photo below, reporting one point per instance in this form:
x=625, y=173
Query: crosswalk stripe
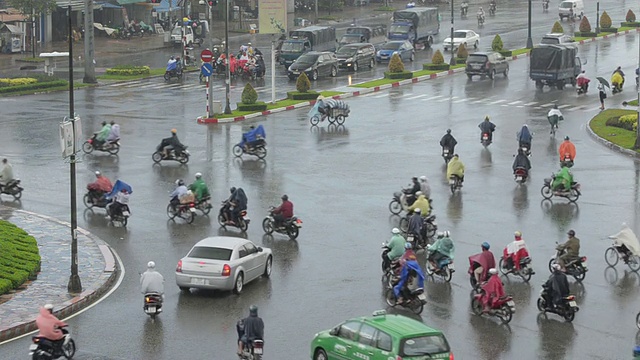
x=496, y=102
x=417, y=97
x=447, y=99
x=433, y=98
x=531, y=103
x=515, y=102
x=460, y=100
x=563, y=106
x=125, y=84
x=155, y=86
x=548, y=104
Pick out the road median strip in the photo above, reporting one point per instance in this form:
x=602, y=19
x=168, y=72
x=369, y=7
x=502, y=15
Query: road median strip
x=615, y=138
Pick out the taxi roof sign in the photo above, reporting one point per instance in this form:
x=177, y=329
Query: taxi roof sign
x=379, y=313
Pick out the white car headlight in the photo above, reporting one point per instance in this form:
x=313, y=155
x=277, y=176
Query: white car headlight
x=349, y=59
x=309, y=69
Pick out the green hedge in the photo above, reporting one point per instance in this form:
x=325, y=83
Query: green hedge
x=128, y=70
x=257, y=106
x=627, y=122
x=586, y=34
x=36, y=86
x=608, y=30
x=461, y=61
x=435, y=67
x=506, y=53
x=398, y=75
x=309, y=95
x=630, y=24
x=19, y=257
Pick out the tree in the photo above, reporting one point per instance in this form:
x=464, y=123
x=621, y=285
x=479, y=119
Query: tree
x=462, y=52
x=557, y=28
x=605, y=20
x=303, y=84
x=249, y=94
x=437, y=58
x=33, y=9
x=585, y=27
x=631, y=16
x=496, y=44
x=395, y=64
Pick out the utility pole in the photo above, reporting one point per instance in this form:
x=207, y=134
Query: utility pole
x=453, y=54
x=227, y=107
x=89, y=51
x=529, y=39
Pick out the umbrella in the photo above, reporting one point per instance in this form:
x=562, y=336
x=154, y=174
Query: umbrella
x=117, y=187
x=603, y=81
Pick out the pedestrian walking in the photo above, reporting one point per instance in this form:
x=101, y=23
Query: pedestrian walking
x=603, y=94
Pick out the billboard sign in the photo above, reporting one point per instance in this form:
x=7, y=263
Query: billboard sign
x=272, y=17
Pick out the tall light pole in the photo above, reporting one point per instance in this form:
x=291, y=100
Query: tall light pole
x=74, y=286
x=89, y=54
x=227, y=107
x=453, y=56
x=529, y=40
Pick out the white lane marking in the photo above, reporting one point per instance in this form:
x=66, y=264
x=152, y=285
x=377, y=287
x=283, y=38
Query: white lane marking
x=563, y=106
x=153, y=86
x=531, y=103
x=125, y=83
x=574, y=108
x=433, y=97
x=514, y=102
x=416, y=97
x=496, y=102
x=548, y=104
x=461, y=100
x=447, y=99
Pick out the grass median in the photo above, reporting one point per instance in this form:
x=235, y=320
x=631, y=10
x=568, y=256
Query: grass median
x=619, y=136
x=152, y=72
x=417, y=73
x=19, y=257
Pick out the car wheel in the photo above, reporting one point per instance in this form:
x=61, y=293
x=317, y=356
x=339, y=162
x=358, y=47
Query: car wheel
x=334, y=71
x=492, y=74
x=469, y=76
x=183, y=289
x=506, y=72
x=412, y=57
x=355, y=66
x=475, y=46
x=237, y=289
x=267, y=267
x=320, y=354
x=314, y=76
x=372, y=63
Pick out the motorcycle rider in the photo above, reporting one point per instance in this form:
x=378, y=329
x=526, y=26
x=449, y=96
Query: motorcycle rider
x=493, y=6
x=283, y=212
x=441, y=249
x=521, y=161
x=151, y=281
x=410, y=274
x=253, y=329
x=172, y=60
x=524, y=137
x=171, y=143
x=424, y=187
x=409, y=254
x=464, y=6
x=480, y=14
x=114, y=133
x=626, y=243
x=415, y=224
x=180, y=191
x=101, y=136
x=396, y=248
x=421, y=203
x=410, y=193
x=6, y=175
x=571, y=250
x=492, y=290
x=258, y=138
x=99, y=188
x=236, y=203
x=487, y=126
x=199, y=188
x=514, y=252
x=562, y=180
x=567, y=149
x=554, y=116
x=618, y=77
x=455, y=167
x=482, y=262
x=49, y=326
x=558, y=287
x=582, y=81
x=120, y=201
x=448, y=142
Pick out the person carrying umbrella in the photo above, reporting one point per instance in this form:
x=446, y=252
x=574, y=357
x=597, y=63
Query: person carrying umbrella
x=602, y=85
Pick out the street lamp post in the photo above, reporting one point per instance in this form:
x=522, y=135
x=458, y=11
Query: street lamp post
x=453, y=57
x=529, y=40
x=227, y=108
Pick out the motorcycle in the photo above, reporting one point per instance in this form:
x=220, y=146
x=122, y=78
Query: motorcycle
x=526, y=148
x=444, y=267
x=576, y=268
x=204, y=205
x=242, y=222
x=572, y=195
x=184, y=211
x=45, y=349
x=415, y=302
x=545, y=5
x=174, y=70
x=567, y=161
x=112, y=146
x=152, y=304
x=520, y=174
x=122, y=216
x=480, y=20
x=616, y=87
x=486, y=140
x=253, y=351
x=290, y=227
x=567, y=309
x=399, y=202
x=183, y=158
x=455, y=183
x=12, y=188
x=390, y=269
x=446, y=154
x=94, y=199
x=492, y=9
x=583, y=86
x=429, y=228
x=524, y=272
x=259, y=150
x=503, y=307
x=463, y=10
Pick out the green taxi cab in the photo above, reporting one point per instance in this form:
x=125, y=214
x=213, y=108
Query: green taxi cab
x=380, y=337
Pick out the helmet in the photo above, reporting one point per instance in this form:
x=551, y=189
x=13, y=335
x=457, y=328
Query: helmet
x=320, y=97
x=517, y=234
x=98, y=173
x=566, y=137
x=571, y=233
x=112, y=122
x=493, y=271
x=446, y=233
x=48, y=307
x=104, y=123
x=249, y=44
x=455, y=155
x=232, y=190
x=253, y=310
x=418, y=193
x=198, y=175
x=525, y=125
x=395, y=231
x=408, y=245
x=423, y=178
x=151, y=265
x=448, y=131
x=486, y=118
x=556, y=267
x=173, y=57
x=285, y=197
x=440, y=234
x=485, y=245
x=555, y=106
x=417, y=210
x=179, y=182
x=174, y=131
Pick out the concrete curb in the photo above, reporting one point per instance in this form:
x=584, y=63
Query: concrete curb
x=80, y=301
x=609, y=144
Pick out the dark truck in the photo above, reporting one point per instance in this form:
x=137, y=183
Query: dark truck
x=554, y=65
x=363, y=34
x=418, y=25
x=316, y=38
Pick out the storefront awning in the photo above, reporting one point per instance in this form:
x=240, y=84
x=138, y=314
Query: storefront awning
x=105, y=5
x=75, y=4
x=12, y=28
x=126, y=2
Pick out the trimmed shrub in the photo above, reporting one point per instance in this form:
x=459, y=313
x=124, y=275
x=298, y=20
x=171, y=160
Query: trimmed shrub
x=395, y=64
x=17, y=81
x=460, y=61
x=586, y=34
x=255, y=106
x=627, y=122
x=631, y=16
x=557, y=28
x=435, y=66
x=128, y=70
x=496, y=44
x=36, y=86
x=462, y=52
x=303, y=84
x=608, y=30
x=585, y=26
x=630, y=24
x=437, y=58
x=249, y=95
x=605, y=20
x=506, y=53
x=398, y=75
x=19, y=257
x=296, y=95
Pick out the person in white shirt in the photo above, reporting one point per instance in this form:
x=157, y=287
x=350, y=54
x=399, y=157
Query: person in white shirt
x=121, y=201
x=114, y=134
x=6, y=175
x=151, y=280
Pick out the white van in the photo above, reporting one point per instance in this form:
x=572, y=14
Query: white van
x=571, y=8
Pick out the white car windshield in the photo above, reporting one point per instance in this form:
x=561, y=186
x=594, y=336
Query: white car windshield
x=459, y=34
x=566, y=4
x=390, y=46
x=347, y=51
x=291, y=46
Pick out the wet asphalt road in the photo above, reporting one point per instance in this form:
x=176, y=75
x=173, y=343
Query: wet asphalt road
x=341, y=181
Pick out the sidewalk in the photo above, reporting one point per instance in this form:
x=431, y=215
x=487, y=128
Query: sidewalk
x=97, y=269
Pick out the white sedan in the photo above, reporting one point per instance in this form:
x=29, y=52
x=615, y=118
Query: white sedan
x=468, y=37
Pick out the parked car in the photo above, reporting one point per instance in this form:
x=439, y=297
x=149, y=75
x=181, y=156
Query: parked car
x=468, y=37
x=556, y=38
x=381, y=336
x=353, y=56
x=223, y=263
x=486, y=64
x=314, y=64
x=571, y=8
x=404, y=48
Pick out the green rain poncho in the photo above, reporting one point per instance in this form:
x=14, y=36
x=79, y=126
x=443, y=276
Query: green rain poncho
x=562, y=180
x=444, y=246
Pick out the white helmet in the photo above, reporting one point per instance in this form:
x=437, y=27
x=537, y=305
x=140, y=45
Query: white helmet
x=446, y=233
x=151, y=265
x=418, y=193
x=423, y=178
x=556, y=266
x=395, y=231
x=417, y=210
x=98, y=173
x=493, y=271
x=198, y=175
x=440, y=234
x=48, y=307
